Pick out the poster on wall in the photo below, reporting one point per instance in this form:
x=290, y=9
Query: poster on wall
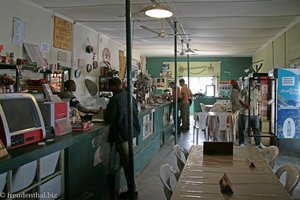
x=122, y=63
x=196, y=68
x=18, y=31
x=288, y=103
x=63, y=33
x=35, y=55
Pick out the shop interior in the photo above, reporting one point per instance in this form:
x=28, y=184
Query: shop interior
x=50, y=150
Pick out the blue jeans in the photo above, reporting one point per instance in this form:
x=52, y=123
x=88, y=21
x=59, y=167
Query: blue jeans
x=243, y=128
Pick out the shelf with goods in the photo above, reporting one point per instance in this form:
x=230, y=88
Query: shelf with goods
x=224, y=88
x=103, y=83
x=9, y=78
x=31, y=78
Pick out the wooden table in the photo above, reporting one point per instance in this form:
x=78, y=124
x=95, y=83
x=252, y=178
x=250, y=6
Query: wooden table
x=202, y=173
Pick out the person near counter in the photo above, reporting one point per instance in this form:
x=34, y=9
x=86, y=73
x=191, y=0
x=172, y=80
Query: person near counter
x=249, y=105
x=70, y=87
x=116, y=115
x=176, y=94
x=234, y=96
x=186, y=94
x=235, y=104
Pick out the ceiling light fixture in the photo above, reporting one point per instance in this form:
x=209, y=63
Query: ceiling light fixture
x=158, y=11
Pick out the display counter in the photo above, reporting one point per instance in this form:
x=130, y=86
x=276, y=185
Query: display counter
x=82, y=164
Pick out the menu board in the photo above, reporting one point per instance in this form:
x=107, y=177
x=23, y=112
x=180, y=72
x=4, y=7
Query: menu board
x=62, y=34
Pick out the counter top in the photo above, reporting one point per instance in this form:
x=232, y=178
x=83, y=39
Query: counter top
x=23, y=155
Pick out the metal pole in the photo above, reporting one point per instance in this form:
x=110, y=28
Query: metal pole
x=130, y=185
x=188, y=68
x=175, y=66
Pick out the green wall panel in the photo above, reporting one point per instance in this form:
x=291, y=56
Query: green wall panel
x=231, y=67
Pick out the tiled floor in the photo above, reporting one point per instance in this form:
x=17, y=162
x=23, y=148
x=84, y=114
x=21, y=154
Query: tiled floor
x=150, y=186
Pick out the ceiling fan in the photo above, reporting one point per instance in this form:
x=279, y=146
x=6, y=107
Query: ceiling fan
x=188, y=50
x=162, y=33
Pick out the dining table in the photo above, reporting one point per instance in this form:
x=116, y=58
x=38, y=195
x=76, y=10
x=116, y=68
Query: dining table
x=246, y=172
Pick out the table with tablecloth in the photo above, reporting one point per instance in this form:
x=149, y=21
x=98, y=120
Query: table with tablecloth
x=202, y=173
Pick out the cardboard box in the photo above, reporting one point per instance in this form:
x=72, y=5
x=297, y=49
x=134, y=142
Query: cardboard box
x=82, y=126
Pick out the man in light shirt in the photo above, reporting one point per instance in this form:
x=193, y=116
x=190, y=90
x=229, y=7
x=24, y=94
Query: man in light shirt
x=249, y=105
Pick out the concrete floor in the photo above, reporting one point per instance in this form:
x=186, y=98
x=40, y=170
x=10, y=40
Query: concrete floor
x=150, y=186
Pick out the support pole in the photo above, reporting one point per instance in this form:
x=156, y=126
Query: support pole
x=130, y=185
x=175, y=66
x=188, y=69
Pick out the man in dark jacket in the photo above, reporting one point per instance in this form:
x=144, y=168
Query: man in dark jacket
x=116, y=114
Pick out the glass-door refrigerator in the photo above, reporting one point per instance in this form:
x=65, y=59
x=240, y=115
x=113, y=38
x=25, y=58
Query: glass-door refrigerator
x=286, y=105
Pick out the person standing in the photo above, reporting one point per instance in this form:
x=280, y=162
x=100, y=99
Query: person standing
x=249, y=105
x=70, y=87
x=186, y=94
x=234, y=96
x=235, y=105
x=176, y=94
x=116, y=115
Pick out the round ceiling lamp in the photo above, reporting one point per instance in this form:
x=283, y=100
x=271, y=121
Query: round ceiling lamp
x=158, y=11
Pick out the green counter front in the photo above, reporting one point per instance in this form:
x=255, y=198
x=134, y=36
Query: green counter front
x=86, y=165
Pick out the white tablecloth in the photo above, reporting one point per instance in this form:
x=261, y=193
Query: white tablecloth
x=202, y=173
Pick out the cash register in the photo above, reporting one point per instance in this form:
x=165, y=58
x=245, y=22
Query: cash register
x=21, y=121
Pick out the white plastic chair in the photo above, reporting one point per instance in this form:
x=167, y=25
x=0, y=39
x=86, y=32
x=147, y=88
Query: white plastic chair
x=201, y=123
x=270, y=154
x=165, y=173
x=203, y=107
x=181, y=155
x=225, y=124
x=292, y=176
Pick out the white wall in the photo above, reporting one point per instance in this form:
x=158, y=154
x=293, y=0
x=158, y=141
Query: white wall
x=39, y=28
x=282, y=51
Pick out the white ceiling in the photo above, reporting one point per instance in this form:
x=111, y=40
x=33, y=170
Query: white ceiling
x=215, y=27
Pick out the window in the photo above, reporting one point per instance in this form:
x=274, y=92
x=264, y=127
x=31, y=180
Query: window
x=199, y=85
x=210, y=90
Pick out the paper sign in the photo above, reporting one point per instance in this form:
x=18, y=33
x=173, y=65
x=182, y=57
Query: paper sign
x=44, y=47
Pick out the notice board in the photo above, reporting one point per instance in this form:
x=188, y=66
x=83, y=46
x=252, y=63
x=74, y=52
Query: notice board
x=63, y=32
